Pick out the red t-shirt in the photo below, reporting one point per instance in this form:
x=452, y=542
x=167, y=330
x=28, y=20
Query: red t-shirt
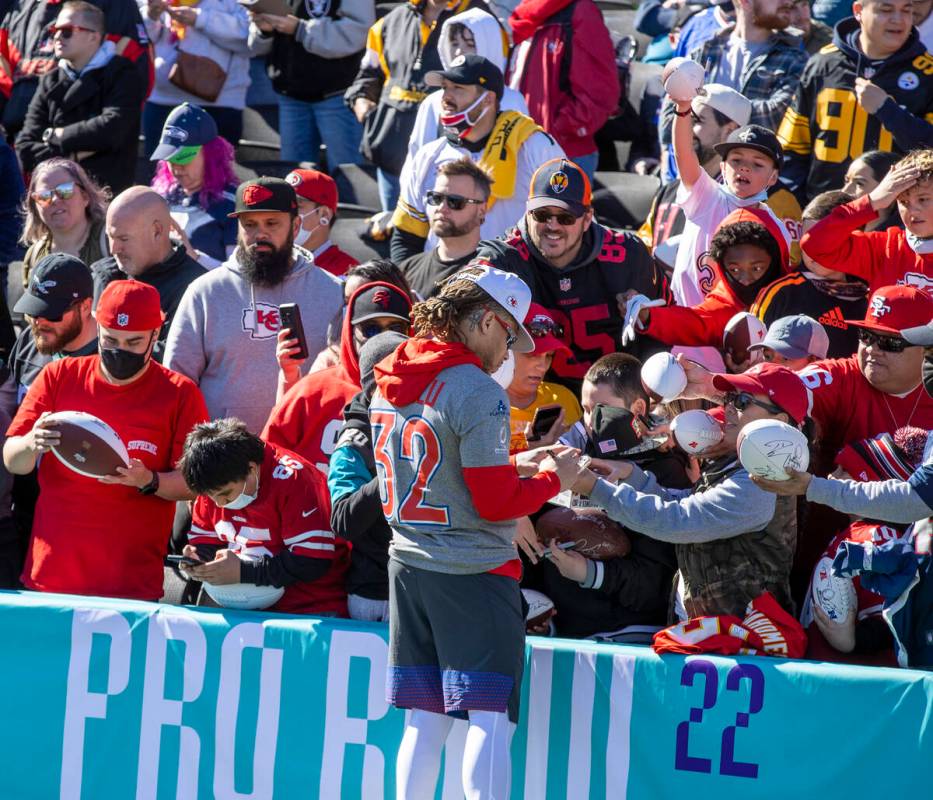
x=93, y=538
x=291, y=511
x=335, y=261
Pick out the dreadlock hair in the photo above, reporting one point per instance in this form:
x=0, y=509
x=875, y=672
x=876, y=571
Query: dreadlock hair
x=459, y=300
x=746, y=233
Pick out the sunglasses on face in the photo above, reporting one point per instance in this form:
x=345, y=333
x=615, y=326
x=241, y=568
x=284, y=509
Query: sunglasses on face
x=543, y=215
x=887, y=344
x=370, y=329
x=64, y=191
x=455, y=202
x=510, y=336
x=742, y=400
x=56, y=319
x=67, y=31
x=539, y=327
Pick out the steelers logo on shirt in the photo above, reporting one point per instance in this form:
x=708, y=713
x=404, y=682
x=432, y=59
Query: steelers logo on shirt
x=908, y=81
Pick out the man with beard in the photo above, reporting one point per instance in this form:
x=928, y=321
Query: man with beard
x=509, y=145
x=577, y=269
x=57, y=308
x=457, y=208
x=138, y=228
x=224, y=333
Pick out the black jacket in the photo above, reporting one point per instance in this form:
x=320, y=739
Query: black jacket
x=357, y=516
x=99, y=112
x=170, y=277
x=583, y=295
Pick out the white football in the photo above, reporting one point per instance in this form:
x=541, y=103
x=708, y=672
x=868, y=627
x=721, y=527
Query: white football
x=768, y=446
x=740, y=333
x=696, y=431
x=88, y=445
x=834, y=594
x=244, y=595
x=682, y=78
x=663, y=377
x=540, y=606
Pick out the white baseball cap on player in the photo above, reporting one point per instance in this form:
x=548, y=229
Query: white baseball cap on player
x=508, y=290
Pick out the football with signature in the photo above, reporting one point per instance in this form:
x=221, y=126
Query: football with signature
x=591, y=530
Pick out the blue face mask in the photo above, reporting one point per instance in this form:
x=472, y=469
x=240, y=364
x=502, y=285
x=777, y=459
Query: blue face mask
x=243, y=499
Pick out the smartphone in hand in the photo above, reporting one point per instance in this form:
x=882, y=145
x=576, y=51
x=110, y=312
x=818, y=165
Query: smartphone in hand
x=543, y=422
x=290, y=315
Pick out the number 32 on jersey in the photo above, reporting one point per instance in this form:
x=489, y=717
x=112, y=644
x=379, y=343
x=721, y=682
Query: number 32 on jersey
x=417, y=442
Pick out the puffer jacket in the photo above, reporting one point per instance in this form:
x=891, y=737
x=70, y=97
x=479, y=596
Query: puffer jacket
x=219, y=34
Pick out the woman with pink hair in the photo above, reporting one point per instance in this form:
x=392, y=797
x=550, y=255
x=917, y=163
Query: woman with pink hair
x=195, y=176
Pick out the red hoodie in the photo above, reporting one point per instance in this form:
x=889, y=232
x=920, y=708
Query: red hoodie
x=703, y=324
x=309, y=418
x=883, y=258
x=498, y=493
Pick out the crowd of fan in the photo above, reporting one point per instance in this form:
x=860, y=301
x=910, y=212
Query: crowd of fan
x=159, y=308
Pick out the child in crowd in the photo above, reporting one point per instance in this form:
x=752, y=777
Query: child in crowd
x=861, y=636
x=528, y=391
x=890, y=256
x=793, y=342
x=746, y=254
x=829, y=296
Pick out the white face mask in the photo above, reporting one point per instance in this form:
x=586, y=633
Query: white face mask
x=244, y=499
x=302, y=236
x=503, y=376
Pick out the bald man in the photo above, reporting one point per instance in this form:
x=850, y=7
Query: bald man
x=139, y=227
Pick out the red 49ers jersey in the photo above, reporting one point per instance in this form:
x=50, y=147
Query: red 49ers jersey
x=291, y=511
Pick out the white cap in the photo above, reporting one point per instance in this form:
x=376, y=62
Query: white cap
x=664, y=377
x=725, y=100
x=508, y=290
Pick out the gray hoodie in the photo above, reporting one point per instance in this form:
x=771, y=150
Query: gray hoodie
x=223, y=335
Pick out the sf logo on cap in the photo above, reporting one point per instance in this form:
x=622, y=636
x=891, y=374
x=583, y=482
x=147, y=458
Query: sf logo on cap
x=879, y=307
x=558, y=182
x=254, y=194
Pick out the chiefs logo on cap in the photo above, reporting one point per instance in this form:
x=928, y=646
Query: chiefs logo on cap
x=511, y=301
x=879, y=306
x=293, y=178
x=558, y=182
x=254, y=194
x=381, y=298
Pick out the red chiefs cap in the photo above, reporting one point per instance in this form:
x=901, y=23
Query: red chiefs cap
x=894, y=309
x=129, y=306
x=546, y=332
x=314, y=186
x=783, y=387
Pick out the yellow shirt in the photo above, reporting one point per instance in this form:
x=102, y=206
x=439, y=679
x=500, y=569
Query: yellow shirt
x=549, y=394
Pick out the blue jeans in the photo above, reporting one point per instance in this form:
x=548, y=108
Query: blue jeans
x=305, y=126
x=389, y=189
x=588, y=164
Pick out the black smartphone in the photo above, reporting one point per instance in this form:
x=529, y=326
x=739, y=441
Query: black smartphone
x=183, y=561
x=290, y=314
x=543, y=422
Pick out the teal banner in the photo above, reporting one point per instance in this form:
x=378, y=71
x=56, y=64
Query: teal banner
x=108, y=699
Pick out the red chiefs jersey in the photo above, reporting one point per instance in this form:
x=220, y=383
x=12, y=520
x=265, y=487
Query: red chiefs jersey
x=93, y=538
x=767, y=630
x=292, y=510
x=847, y=408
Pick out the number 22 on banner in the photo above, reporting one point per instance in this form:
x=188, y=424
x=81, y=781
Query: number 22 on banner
x=727, y=763
x=419, y=444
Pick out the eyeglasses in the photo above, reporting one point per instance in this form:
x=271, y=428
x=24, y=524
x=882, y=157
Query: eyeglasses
x=455, y=202
x=510, y=336
x=542, y=327
x=887, y=344
x=564, y=218
x=68, y=30
x=64, y=191
x=370, y=329
x=742, y=400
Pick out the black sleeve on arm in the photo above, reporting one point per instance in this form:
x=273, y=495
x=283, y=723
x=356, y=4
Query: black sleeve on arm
x=404, y=245
x=208, y=552
x=642, y=580
x=355, y=515
x=283, y=570
x=872, y=635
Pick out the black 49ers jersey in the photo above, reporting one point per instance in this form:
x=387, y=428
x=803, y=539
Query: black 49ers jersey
x=825, y=128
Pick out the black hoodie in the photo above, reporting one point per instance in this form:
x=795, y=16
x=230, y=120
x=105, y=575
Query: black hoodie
x=824, y=128
x=583, y=295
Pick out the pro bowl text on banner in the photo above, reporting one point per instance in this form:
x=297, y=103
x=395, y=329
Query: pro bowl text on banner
x=110, y=699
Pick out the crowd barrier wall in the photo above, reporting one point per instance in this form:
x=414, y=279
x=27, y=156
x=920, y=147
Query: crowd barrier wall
x=108, y=699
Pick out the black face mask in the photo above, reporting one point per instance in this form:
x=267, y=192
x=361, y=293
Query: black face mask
x=614, y=431
x=122, y=364
x=928, y=373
